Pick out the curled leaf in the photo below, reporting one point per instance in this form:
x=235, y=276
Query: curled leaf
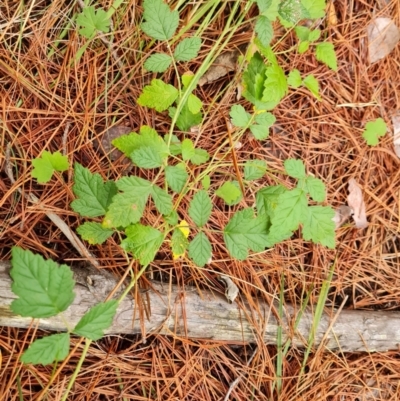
x=231, y=290
x=356, y=202
x=342, y=213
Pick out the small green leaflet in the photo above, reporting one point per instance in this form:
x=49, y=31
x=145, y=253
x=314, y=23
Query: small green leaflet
x=158, y=95
x=313, y=8
x=175, y=147
x=200, y=250
x=302, y=32
x=295, y=168
x=244, y=232
x=200, y=208
x=240, y=117
x=94, y=196
x=269, y=8
x=206, y=182
x=373, y=130
x=187, y=49
x=318, y=225
x=200, y=156
x=94, y=233
x=325, y=52
x=143, y=242
x=160, y=22
x=264, y=121
x=194, y=104
x=267, y=199
x=158, y=62
x=46, y=164
x=47, y=350
x=263, y=5
x=294, y=79
x=314, y=35
x=92, y=20
x=179, y=242
x=162, y=200
x=96, y=320
x=187, y=149
x=312, y=84
x=275, y=85
x=254, y=169
x=186, y=118
x=264, y=30
x=187, y=78
x=303, y=47
x=176, y=177
x=316, y=188
x=43, y=287
x=290, y=10
x=172, y=218
x=230, y=193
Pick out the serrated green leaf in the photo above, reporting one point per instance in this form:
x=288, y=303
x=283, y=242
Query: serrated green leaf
x=194, y=104
x=187, y=149
x=179, y=243
x=175, y=147
x=314, y=35
x=158, y=62
x=264, y=30
x=172, y=218
x=46, y=164
x=244, y=232
x=200, y=249
x=254, y=169
x=294, y=79
x=264, y=122
x=158, y=95
x=260, y=132
x=316, y=188
x=143, y=242
x=230, y=193
x=187, y=49
x=160, y=22
x=374, y=130
x=43, y=287
x=239, y=117
x=176, y=177
x=318, y=226
x=44, y=351
x=200, y=208
x=275, y=84
x=263, y=5
x=94, y=233
x=269, y=8
x=303, y=47
x=312, y=84
x=295, y=168
x=162, y=200
x=91, y=21
x=206, y=182
x=290, y=10
x=186, y=118
x=147, y=157
x=302, y=32
x=314, y=8
x=267, y=199
x=96, y=320
x=200, y=156
x=325, y=52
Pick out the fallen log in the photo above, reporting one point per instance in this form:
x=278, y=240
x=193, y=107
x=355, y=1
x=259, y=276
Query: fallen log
x=209, y=316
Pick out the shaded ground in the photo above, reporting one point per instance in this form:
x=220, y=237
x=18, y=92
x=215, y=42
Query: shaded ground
x=43, y=99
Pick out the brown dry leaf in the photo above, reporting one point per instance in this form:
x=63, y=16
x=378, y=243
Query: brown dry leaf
x=231, y=291
x=383, y=36
x=396, y=133
x=342, y=213
x=356, y=202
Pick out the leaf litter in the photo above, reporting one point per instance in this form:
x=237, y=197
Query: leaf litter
x=355, y=201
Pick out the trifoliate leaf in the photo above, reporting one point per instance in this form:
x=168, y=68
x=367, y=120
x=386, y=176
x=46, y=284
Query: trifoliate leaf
x=295, y=168
x=46, y=164
x=200, y=208
x=230, y=193
x=316, y=188
x=96, y=320
x=206, y=182
x=160, y=22
x=312, y=84
x=43, y=287
x=254, y=169
x=294, y=79
x=186, y=118
x=158, y=95
x=194, y=104
x=373, y=130
x=314, y=8
x=264, y=30
x=275, y=85
x=200, y=156
x=162, y=200
x=267, y=199
x=175, y=146
x=179, y=242
x=325, y=52
x=94, y=233
x=240, y=118
x=47, y=350
x=143, y=242
x=244, y=232
x=176, y=177
x=91, y=21
x=187, y=149
x=318, y=225
x=187, y=49
x=158, y=62
x=200, y=249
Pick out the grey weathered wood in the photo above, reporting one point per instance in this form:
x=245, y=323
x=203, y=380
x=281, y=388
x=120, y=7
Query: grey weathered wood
x=210, y=316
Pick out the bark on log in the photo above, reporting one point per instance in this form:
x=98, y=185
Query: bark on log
x=210, y=316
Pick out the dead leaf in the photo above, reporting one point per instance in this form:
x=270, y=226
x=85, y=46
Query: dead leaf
x=342, y=213
x=356, y=202
x=383, y=35
x=231, y=290
x=396, y=133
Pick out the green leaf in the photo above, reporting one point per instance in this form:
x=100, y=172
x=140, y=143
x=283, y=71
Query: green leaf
x=264, y=30
x=200, y=249
x=186, y=118
x=158, y=95
x=373, y=130
x=187, y=49
x=314, y=8
x=200, y=208
x=200, y=156
x=176, y=177
x=147, y=157
x=230, y=193
x=302, y=32
x=295, y=168
x=158, y=62
x=187, y=78
x=194, y=104
x=325, y=52
x=290, y=10
x=91, y=21
x=96, y=320
x=179, y=243
x=263, y=5
x=240, y=118
x=303, y=47
x=275, y=85
x=254, y=169
x=294, y=79
x=143, y=242
x=160, y=22
x=172, y=218
x=206, y=182
x=312, y=84
x=44, y=351
x=94, y=233
x=175, y=147
x=43, y=287
x=318, y=226
x=314, y=35
x=264, y=122
x=94, y=196
x=162, y=200
x=267, y=199
x=46, y=164
x=187, y=149
x=316, y=188
x=244, y=232
x=269, y=8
